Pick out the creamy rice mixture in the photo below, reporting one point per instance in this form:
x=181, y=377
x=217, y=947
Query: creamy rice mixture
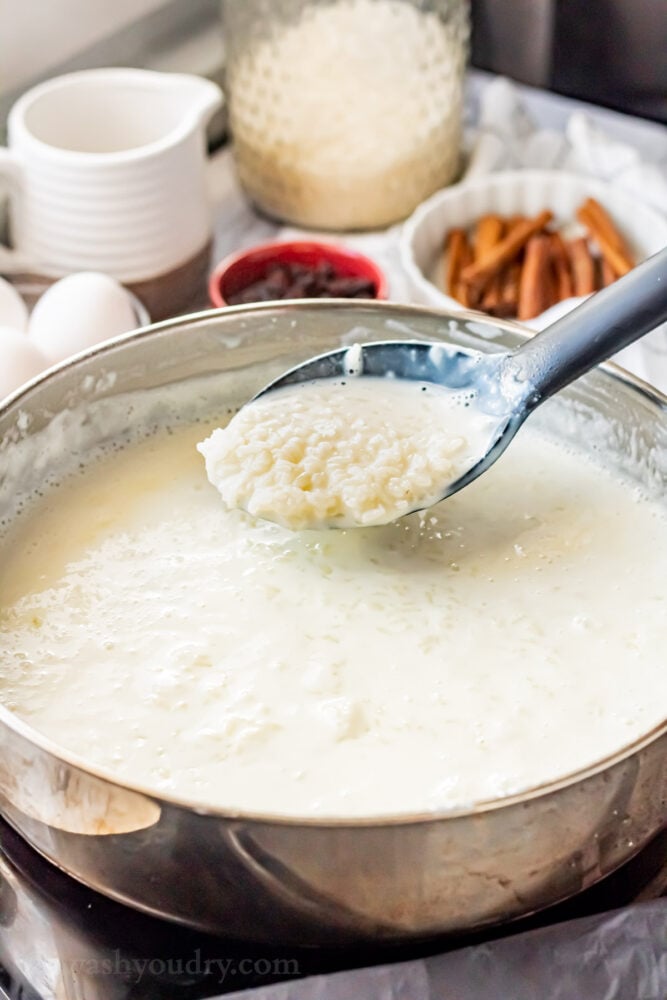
x=514, y=633
x=333, y=453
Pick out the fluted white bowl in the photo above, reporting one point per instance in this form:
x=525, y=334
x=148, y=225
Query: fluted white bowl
x=517, y=192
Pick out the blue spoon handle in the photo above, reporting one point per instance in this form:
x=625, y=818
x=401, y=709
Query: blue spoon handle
x=591, y=333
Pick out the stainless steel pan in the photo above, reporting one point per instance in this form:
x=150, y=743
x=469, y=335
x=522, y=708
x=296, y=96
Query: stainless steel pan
x=311, y=882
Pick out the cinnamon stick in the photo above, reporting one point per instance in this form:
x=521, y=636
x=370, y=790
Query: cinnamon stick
x=457, y=254
x=479, y=273
x=510, y=277
x=601, y=228
x=535, y=283
x=607, y=273
x=489, y=231
x=463, y=292
x=606, y=225
x=504, y=302
x=510, y=267
x=509, y=296
x=492, y=296
x=562, y=272
x=583, y=266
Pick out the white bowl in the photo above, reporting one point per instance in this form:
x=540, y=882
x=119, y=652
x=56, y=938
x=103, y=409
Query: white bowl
x=517, y=192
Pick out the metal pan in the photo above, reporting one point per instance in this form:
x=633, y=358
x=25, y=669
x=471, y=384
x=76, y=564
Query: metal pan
x=309, y=882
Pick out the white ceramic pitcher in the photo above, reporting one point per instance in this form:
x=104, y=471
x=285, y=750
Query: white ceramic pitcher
x=106, y=173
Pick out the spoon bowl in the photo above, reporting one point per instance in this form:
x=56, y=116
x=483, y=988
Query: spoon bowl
x=476, y=376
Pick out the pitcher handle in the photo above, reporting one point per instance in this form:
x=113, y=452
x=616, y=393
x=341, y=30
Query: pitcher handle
x=11, y=171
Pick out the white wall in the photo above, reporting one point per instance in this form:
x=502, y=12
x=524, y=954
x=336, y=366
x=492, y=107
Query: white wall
x=37, y=35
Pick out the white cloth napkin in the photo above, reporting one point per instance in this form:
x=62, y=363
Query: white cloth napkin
x=507, y=138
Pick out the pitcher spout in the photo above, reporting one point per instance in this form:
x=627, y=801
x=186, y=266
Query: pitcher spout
x=200, y=98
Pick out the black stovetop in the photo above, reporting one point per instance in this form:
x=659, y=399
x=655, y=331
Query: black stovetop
x=60, y=939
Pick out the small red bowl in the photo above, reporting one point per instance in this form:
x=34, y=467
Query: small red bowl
x=239, y=270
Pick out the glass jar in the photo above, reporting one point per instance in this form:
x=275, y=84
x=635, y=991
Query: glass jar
x=345, y=114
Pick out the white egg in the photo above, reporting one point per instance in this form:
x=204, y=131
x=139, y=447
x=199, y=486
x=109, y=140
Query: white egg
x=13, y=310
x=19, y=360
x=78, y=312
